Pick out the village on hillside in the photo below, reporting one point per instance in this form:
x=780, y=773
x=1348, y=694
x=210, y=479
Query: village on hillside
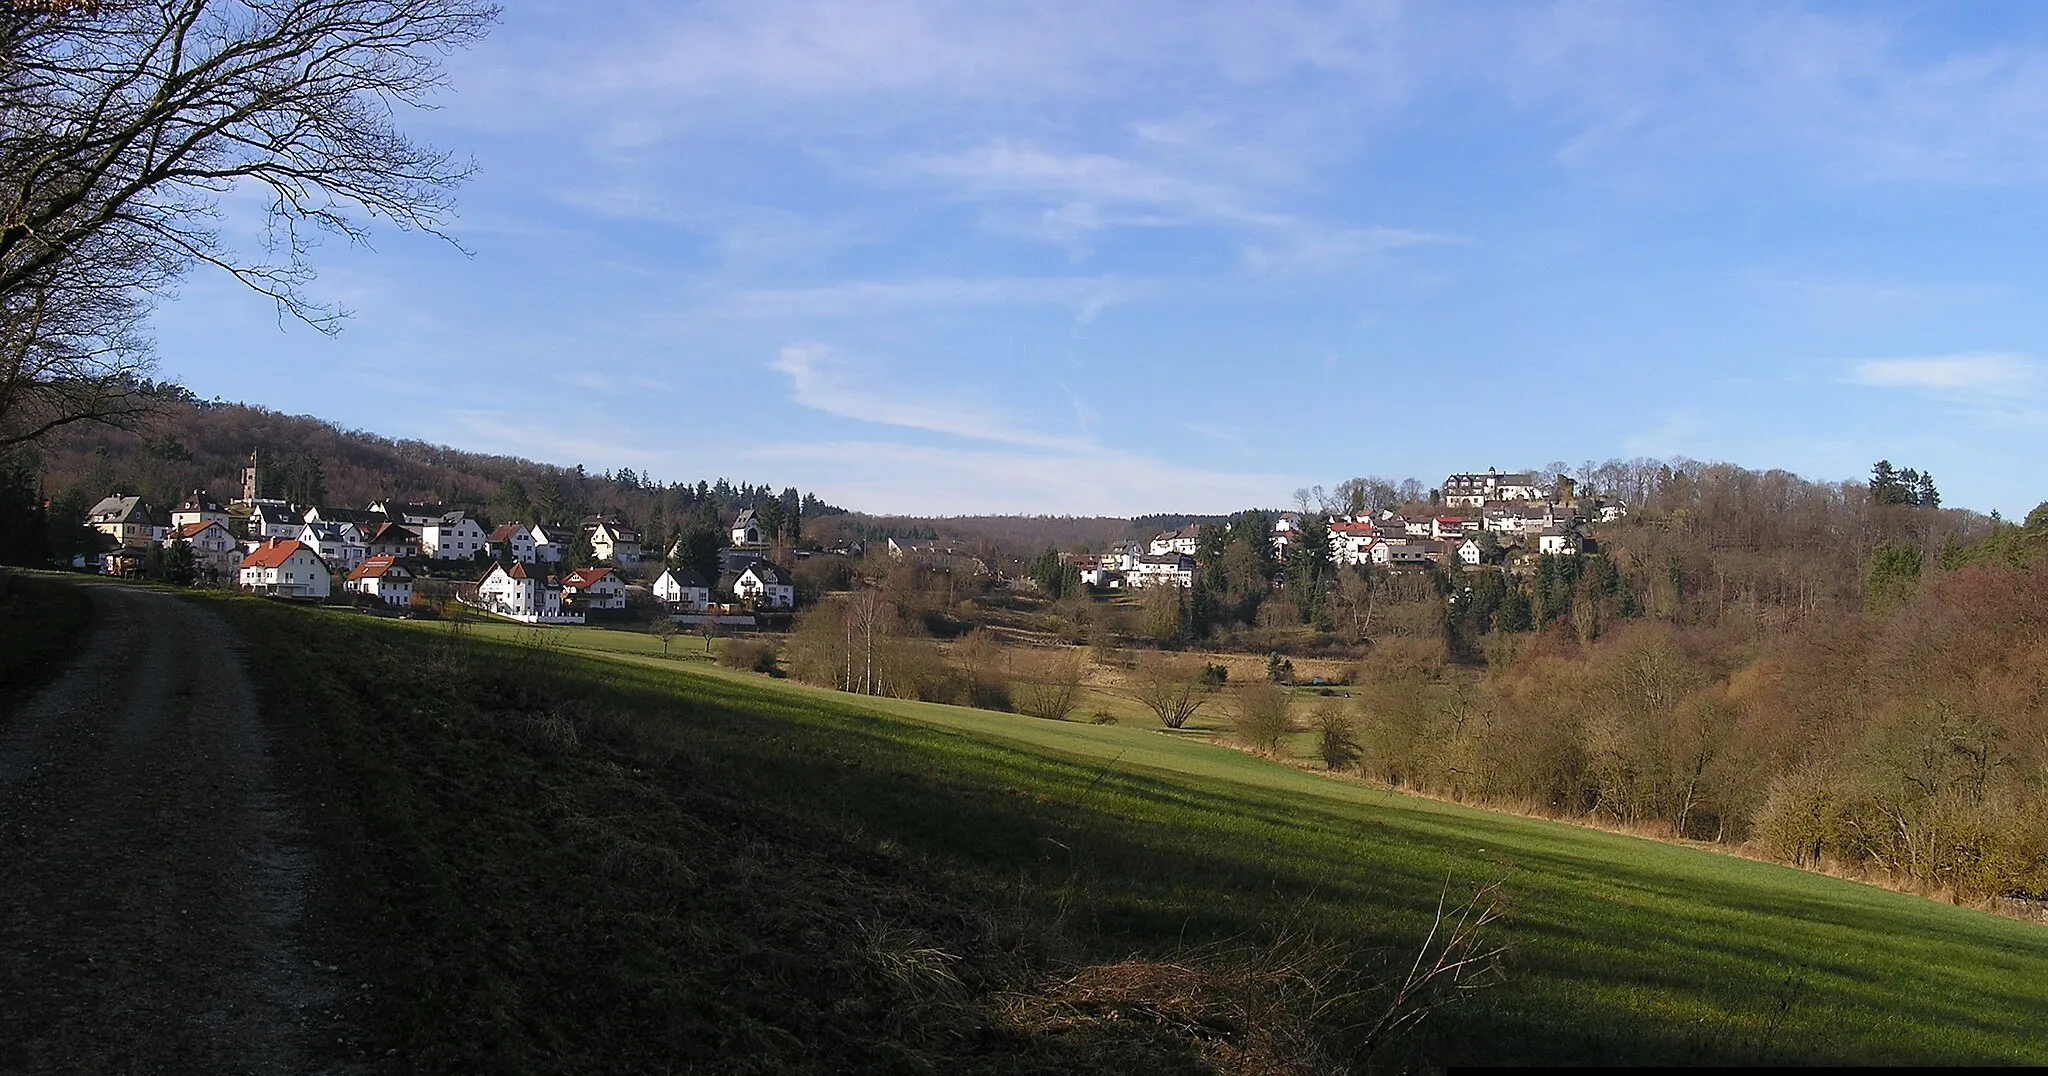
x=383, y=553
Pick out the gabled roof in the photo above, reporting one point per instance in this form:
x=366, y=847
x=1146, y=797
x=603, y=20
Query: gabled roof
x=199, y=502
x=377, y=567
x=514, y=570
x=583, y=578
x=274, y=552
x=768, y=573
x=686, y=577
x=619, y=532
x=505, y=533
x=119, y=509
x=273, y=513
x=394, y=532
x=190, y=531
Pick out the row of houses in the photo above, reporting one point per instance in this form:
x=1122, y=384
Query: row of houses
x=1514, y=509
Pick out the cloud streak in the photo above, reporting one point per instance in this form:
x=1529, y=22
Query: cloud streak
x=1992, y=373
x=823, y=381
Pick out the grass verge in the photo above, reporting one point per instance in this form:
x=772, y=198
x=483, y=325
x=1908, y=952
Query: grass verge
x=574, y=862
x=42, y=618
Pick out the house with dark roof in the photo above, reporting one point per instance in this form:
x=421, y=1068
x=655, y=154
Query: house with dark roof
x=197, y=507
x=682, y=588
x=765, y=585
x=127, y=520
x=394, y=540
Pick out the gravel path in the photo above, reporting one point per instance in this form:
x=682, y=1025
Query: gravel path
x=161, y=908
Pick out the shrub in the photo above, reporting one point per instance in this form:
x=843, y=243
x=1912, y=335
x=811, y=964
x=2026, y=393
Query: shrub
x=748, y=656
x=1265, y=715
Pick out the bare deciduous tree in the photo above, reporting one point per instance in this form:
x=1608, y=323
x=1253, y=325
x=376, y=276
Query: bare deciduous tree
x=1172, y=690
x=123, y=126
x=1050, y=686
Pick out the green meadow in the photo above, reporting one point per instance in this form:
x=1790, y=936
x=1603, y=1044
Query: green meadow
x=508, y=797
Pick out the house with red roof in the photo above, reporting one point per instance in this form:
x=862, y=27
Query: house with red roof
x=382, y=578
x=286, y=568
x=513, y=542
x=594, y=588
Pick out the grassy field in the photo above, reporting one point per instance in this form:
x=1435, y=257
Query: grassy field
x=42, y=617
x=583, y=856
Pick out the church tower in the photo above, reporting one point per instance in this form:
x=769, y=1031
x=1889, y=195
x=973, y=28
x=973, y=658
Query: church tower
x=251, y=488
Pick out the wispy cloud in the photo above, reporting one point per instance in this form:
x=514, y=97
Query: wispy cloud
x=1985, y=373
x=1088, y=296
x=886, y=477
x=822, y=380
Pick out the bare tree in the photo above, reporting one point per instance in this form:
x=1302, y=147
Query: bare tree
x=1050, y=686
x=122, y=126
x=1172, y=690
x=664, y=628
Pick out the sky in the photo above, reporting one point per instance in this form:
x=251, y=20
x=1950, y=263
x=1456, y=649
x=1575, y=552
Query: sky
x=1123, y=258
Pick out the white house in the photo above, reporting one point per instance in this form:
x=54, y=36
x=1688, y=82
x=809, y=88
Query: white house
x=338, y=544
x=682, y=587
x=595, y=588
x=1469, y=553
x=1186, y=540
x=214, y=550
x=198, y=508
x=614, y=543
x=550, y=542
x=765, y=584
x=1351, y=543
x=513, y=591
x=393, y=540
x=1611, y=511
x=1474, y=490
x=284, y=567
x=452, y=537
x=381, y=577
x=267, y=521
x=1285, y=526
x=515, y=539
x=746, y=531
x=1560, y=542
x=1161, y=569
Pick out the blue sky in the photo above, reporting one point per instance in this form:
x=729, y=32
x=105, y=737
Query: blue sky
x=1137, y=257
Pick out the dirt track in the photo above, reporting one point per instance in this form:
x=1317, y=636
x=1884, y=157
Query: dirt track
x=161, y=905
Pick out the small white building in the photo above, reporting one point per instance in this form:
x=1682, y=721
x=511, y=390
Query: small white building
x=1469, y=553
x=594, y=588
x=515, y=540
x=683, y=588
x=746, y=531
x=452, y=537
x=284, y=567
x=1558, y=542
x=383, y=578
x=767, y=585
